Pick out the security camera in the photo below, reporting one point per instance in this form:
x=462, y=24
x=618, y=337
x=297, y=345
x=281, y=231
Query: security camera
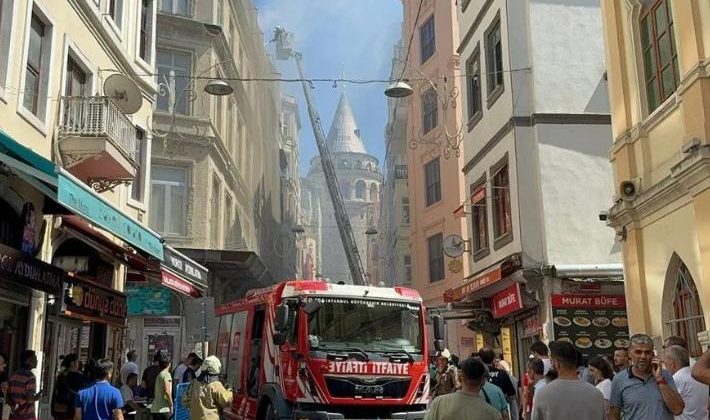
x=603, y=216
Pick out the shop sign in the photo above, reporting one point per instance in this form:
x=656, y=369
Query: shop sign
x=455, y=266
x=469, y=287
x=162, y=321
x=94, y=302
x=467, y=341
x=531, y=326
x=87, y=204
x=454, y=246
x=147, y=300
x=507, y=301
x=23, y=269
x=597, y=324
x=184, y=266
x=174, y=282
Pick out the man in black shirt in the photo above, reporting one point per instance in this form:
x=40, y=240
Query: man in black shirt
x=496, y=376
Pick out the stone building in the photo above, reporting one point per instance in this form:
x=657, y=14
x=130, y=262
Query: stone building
x=359, y=179
x=657, y=55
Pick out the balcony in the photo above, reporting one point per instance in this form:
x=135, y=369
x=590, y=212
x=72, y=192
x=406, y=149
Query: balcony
x=184, y=8
x=400, y=172
x=97, y=142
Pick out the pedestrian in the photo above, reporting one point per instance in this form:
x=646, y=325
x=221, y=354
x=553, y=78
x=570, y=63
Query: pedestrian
x=644, y=391
x=129, y=367
x=192, y=370
x=162, y=407
x=498, y=377
x=693, y=393
x=22, y=387
x=467, y=403
x=101, y=401
x=542, y=352
x=4, y=385
x=567, y=397
x=701, y=370
x=621, y=359
x=149, y=375
x=675, y=340
x=583, y=369
x=66, y=387
x=535, y=371
x=206, y=397
x=602, y=373
x=129, y=400
x=512, y=401
x=445, y=374
x=495, y=397
x=179, y=371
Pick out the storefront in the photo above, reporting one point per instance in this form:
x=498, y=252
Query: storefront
x=511, y=307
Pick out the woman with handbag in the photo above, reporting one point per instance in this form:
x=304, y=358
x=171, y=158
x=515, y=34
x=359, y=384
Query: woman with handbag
x=68, y=384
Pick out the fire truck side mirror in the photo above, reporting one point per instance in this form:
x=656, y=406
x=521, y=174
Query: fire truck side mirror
x=438, y=323
x=281, y=321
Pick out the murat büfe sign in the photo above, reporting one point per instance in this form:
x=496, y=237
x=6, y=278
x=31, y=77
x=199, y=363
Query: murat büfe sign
x=596, y=324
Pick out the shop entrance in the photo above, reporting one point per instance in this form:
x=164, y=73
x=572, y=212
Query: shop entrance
x=164, y=338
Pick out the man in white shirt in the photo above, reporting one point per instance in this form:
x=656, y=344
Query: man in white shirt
x=129, y=367
x=694, y=394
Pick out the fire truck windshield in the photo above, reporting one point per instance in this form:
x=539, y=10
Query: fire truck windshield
x=367, y=324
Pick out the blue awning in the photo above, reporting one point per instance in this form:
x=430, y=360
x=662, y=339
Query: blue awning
x=76, y=196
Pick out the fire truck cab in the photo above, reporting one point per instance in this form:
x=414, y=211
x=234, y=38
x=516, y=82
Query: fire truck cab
x=309, y=349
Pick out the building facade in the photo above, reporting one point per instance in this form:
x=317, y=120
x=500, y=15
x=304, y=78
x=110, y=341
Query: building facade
x=436, y=183
x=394, y=224
x=657, y=54
x=215, y=189
x=360, y=180
x=536, y=131
x=75, y=152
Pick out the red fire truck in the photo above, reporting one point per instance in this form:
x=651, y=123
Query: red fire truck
x=310, y=349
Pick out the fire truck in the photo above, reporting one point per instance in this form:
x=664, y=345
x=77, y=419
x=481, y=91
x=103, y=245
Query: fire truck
x=309, y=349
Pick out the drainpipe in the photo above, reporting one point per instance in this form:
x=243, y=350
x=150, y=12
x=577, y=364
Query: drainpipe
x=589, y=270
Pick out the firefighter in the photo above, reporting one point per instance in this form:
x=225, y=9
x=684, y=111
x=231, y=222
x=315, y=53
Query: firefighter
x=206, y=397
x=446, y=374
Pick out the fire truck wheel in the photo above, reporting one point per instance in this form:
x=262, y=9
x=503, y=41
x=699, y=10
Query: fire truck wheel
x=269, y=412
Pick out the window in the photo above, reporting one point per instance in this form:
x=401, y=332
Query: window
x=433, y=182
x=374, y=194
x=33, y=74
x=6, y=7
x=232, y=35
x=227, y=224
x=232, y=127
x=218, y=113
x=688, y=318
x=115, y=10
x=473, y=82
x=175, y=68
x=175, y=7
x=168, y=195
x=76, y=79
x=436, y=257
x=501, y=201
x=479, y=218
x=360, y=188
x=494, y=58
x=146, y=30
x=660, y=57
x=408, y=269
x=215, y=201
x=405, y=210
x=427, y=39
x=137, y=184
x=285, y=124
x=430, y=110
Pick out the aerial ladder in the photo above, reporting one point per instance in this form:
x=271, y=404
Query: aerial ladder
x=284, y=51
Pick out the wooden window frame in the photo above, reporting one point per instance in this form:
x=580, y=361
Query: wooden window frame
x=652, y=46
x=437, y=271
x=72, y=68
x=144, y=35
x=432, y=181
x=137, y=184
x=501, y=208
x=495, y=80
x=430, y=110
x=474, y=92
x=427, y=46
x=35, y=68
x=479, y=210
x=687, y=311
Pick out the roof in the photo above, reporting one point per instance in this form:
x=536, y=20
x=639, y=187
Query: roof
x=344, y=135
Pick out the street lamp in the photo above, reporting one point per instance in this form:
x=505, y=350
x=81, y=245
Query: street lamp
x=371, y=231
x=399, y=89
x=218, y=87
x=298, y=229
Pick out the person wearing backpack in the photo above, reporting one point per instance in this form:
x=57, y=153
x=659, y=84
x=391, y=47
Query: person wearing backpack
x=206, y=397
x=68, y=384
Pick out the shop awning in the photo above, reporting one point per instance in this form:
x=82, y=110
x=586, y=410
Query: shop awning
x=74, y=195
x=489, y=281
x=176, y=272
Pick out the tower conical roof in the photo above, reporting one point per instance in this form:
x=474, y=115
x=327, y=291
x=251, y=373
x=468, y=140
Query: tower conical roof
x=344, y=135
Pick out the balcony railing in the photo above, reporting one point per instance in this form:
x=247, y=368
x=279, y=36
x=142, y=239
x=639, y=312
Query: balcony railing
x=400, y=172
x=98, y=116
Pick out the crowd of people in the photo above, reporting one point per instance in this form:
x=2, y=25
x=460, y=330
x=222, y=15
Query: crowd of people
x=638, y=383
x=90, y=392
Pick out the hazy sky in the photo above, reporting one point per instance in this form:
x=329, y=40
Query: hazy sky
x=353, y=38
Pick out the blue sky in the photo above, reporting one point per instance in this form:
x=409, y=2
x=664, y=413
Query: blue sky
x=353, y=38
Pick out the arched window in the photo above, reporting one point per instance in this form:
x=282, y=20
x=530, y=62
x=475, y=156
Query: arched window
x=345, y=189
x=360, y=188
x=374, y=196
x=687, y=317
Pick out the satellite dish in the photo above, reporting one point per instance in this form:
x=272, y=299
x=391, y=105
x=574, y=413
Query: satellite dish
x=124, y=92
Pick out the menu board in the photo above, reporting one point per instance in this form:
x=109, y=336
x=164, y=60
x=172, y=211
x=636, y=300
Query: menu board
x=596, y=324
